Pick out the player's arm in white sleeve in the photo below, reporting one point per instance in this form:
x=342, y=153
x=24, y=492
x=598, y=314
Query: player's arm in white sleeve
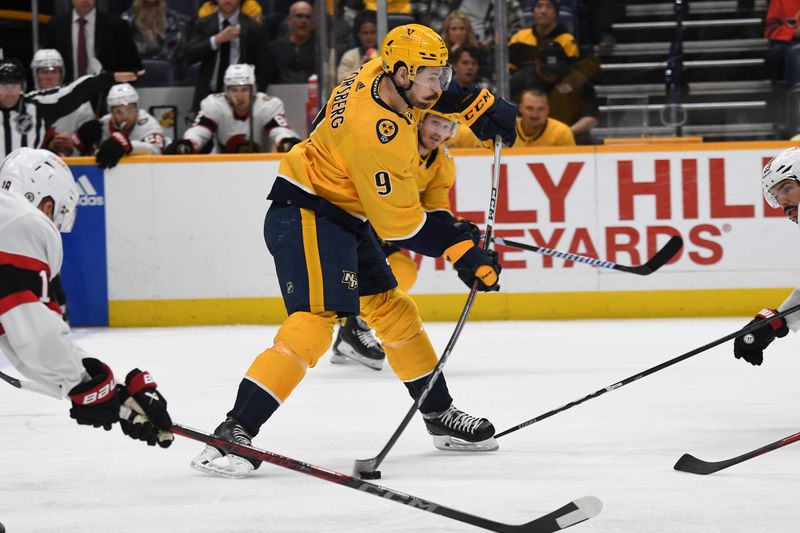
x=205, y=123
x=150, y=138
x=792, y=320
x=277, y=129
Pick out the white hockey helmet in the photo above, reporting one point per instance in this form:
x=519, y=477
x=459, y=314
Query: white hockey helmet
x=38, y=174
x=48, y=58
x=239, y=74
x=784, y=166
x=122, y=94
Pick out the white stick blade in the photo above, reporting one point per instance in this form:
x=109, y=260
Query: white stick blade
x=588, y=507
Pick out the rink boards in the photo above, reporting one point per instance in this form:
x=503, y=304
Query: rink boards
x=178, y=240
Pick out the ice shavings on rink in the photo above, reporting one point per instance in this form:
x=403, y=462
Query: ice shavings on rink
x=57, y=477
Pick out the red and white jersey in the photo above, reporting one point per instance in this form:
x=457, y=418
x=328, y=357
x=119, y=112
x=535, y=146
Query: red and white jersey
x=33, y=335
x=216, y=119
x=146, y=138
x=792, y=320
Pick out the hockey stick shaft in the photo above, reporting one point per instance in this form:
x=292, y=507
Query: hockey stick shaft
x=657, y=261
x=693, y=465
x=370, y=465
x=31, y=386
x=744, y=331
x=571, y=514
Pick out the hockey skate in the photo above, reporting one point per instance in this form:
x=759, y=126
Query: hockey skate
x=216, y=462
x=455, y=430
x=354, y=341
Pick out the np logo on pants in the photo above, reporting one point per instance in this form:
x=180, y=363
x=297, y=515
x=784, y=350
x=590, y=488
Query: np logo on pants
x=350, y=279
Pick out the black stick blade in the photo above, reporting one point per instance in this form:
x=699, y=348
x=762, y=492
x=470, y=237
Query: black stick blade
x=661, y=257
x=691, y=464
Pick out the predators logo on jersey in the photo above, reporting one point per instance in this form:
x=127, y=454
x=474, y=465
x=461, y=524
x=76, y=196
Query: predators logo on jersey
x=350, y=279
x=386, y=130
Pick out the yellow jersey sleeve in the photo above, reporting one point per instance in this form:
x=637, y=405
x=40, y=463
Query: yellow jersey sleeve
x=436, y=180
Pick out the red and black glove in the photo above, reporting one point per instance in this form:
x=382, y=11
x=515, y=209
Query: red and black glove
x=95, y=403
x=148, y=420
x=112, y=149
x=87, y=136
x=286, y=144
x=750, y=347
x=180, y=147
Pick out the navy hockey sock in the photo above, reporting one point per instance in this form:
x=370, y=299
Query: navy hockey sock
x=438, y=399
x=253, y=406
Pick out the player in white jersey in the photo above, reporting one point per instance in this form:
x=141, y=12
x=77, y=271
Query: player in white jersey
x=47, y=68
x=225, y=119
x=38, y=197
x=126, y=129
x=780, y=183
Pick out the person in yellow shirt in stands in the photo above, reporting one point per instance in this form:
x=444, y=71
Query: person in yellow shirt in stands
x=251, y=8
x=535, y=127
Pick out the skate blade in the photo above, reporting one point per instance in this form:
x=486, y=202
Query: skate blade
x=228, y=466
x=345, y=351
x=339, y=359
x=452, y=444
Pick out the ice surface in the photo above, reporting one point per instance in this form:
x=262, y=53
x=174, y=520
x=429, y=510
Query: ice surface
x=58, y=477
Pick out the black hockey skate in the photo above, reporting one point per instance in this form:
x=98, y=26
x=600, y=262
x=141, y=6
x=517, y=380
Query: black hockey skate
x=455, y=430
x=355, y=341
x=215, y=461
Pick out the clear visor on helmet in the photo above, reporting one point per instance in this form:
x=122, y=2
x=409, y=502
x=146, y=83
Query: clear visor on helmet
x=779, y=191
x=434, y=78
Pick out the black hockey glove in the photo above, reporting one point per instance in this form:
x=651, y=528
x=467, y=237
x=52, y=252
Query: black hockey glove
x=473, y=263
x=488, y=116
x=474, y=231
x=286, y=144
x=112, y=149
x=95, y=403
x=149, y=420
x=87, y=136
x=247, y=147
x=750, y=347
x=179, y=147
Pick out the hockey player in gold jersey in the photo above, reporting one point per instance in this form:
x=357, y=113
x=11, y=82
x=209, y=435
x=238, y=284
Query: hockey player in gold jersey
x=355, y=177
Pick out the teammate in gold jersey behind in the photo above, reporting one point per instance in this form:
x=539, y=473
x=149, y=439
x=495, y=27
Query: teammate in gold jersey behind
x=351, y=182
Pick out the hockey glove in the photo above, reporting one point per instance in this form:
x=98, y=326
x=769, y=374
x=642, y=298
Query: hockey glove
x=488, y=116
x=469, y=226
x=87, y=136
x=751, y=347
x=149, y=420
x=286, y=144
x=473, y=263
x=112, y=149
x=95, y=403
x=247, y=147
x=179, y=147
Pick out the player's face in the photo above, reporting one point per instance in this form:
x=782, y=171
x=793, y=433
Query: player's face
x=787, y=193
x=48, y=78
x=457, y=32
x=434, y=130
x=239, y=97
x=533, y=110
x=9, y=94
x=124, y=116
x=428, y=85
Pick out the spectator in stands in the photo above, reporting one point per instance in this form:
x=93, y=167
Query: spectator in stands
x=783, y=30
x=523, y=44
x=251, y=8
x=365, y=29
x=126, y=129
x=240, y=120
x=158, y=31
x=90, y=41
x=48, y=73
x=294, y=55
x=466, y=67
x=225, y=38
x=479, y=12
x=571, y=93
x=535, y=127
x=402, y=7
x=457, y=32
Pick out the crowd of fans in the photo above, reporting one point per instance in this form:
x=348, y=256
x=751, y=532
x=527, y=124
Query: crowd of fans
x=552, y=73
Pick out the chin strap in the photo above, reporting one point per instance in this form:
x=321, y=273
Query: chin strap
x=402, y=91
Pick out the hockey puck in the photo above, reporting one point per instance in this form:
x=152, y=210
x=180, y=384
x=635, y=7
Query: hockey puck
x=370, y=474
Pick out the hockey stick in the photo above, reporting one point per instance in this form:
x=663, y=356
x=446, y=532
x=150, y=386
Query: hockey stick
x=573, y=513
x=30, y=386
x=654, y=263
x=368, y=468
x=744, y=331
x=693, y=465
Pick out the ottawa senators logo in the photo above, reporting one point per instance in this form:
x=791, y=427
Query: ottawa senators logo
x=386, y=130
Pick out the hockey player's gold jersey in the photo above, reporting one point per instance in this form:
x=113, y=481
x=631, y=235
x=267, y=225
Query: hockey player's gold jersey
x=437, y=174
x=362, y=156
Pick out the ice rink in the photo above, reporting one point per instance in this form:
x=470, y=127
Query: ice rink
x=620, y=447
